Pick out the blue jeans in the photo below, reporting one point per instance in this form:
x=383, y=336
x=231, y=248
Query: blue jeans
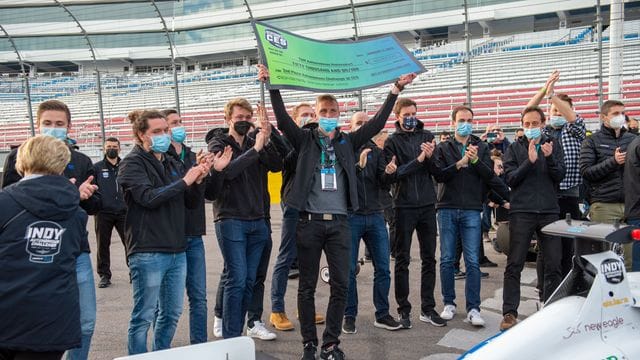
x=286, y=255
x=158, y=282
x=196, y=290
x=241, y=243
x=373, y=230
x=466, y=225
x=486, y=217
x=87, y=299
x=635, y=253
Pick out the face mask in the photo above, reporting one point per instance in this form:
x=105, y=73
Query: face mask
x=557, y=121
x=112, y=153
x=305, y=120
x=242, y=127
x=178, y=134
x=532, y=134
x=633, y=130
x=464, y=129
x=328, y=124
x=160, y=143
x=409, y=122
x=57, y=132
x=616, y=122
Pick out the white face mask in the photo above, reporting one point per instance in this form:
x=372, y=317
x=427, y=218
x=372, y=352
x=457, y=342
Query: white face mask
x=617, y=122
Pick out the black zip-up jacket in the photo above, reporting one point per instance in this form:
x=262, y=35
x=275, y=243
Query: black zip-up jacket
x=41, y=231
x=241, y=188
x=156, y=197
x=599, y=167
x=307, y=143
x=110, y=191
x=414, y=186
x=289, y=166
x=632, y=181
x=464, y=188
x=533, y=186
x=195, y=222
x=371, y=180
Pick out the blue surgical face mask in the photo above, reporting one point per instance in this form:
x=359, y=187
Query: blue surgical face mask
x=57, y=132
x=160, y=143
x=464, y=129
x=328, y=124
x=557, y=121
x=409, y=122
x=178, y=134
x=532, y=134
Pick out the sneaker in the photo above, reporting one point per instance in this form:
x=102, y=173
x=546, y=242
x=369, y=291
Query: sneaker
x=217, y=327
x=260, y=332
x=349, y=325
x=433, y=318
x=459, y=275
x=488, y=263
x=309, y=352
x=319, y=319
x=294, y=273
x=387, y=322
x=367, y=259
x=484, y=274
x=449, y=312
x=280, y=321
x=104, y=282
x=332, y=352
x=508, y=321
x=405, y=320
x=485, y=236
x=474, y=318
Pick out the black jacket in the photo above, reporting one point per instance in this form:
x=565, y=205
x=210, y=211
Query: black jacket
x=414, y=186
x=465, y=188
x=41, y=229
x=371, y=180
x=307, y=144
x=241, y=188
x=599, y=167
x=632, y=181
x=156, y=197
x=195, y=221
x=110, y=191
x=533, y=186
x=289, y=166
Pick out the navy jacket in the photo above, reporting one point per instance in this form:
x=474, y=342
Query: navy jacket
x=41, y=229
x=110, y=191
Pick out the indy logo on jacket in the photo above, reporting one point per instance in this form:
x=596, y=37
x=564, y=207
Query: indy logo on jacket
x=44, y=239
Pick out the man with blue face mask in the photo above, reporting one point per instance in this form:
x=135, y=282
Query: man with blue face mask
x=534, y=168
x=323, y=191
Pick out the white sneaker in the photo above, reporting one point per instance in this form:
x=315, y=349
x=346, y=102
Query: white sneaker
x=217, y=327
x=474, y=318
x=259, y=331
x=449, y=312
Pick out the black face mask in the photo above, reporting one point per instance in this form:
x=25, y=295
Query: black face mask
x=242, y=127
x=112, y=153
x=633, y=130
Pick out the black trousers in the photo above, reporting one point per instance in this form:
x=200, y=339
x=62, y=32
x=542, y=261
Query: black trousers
x=390, y=219
x=30, y=355
x=334, y=238
x=423, y=221
x=522, y=226
x=105, y=222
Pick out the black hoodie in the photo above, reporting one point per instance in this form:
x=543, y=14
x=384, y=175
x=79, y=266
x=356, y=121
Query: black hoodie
x=41, y=230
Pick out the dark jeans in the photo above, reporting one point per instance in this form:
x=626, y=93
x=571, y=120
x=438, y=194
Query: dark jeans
x=522, y=226
x=286, y=258
x=105, y=222
x=30, y=355
x=423, y=221
x=390, y=219
x=487, y=211
x=334, y=237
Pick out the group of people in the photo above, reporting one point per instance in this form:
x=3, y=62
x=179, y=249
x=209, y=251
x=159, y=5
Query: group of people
x=339, y=187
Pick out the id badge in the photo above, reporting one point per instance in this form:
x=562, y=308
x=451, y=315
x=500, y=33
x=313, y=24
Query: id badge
x=328, y=179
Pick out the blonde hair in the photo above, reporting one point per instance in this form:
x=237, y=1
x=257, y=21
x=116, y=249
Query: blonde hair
x=296, y=109
x=327, y=98
x=240, y=102
x=43, y=155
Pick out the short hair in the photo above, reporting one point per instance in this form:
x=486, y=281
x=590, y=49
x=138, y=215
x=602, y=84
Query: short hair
x=168, y=112
x=565, y=98
x=140, y=121
x=519, y=129
x=240, y=102
x=327, y=97
x=403, y=102
x=531, y=109
x=53, y=105
x=607, y=105
x=43, y=155
x=112, y=139
x=296, y=109
x=445, y=133
x=457, y=109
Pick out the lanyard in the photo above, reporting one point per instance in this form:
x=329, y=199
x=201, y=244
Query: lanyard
x=182, y=154
x=332, y=160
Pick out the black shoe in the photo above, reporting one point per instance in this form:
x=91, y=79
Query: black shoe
x=349, y=325
x=104, y=282
x=488, y=263
x=459, y=275
x=367, y=259
x=332, y=352
x=387, y=322
x=405, y=320
x=433, y=318
x=309, y=351
x=294, y=273
x=484, y=274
